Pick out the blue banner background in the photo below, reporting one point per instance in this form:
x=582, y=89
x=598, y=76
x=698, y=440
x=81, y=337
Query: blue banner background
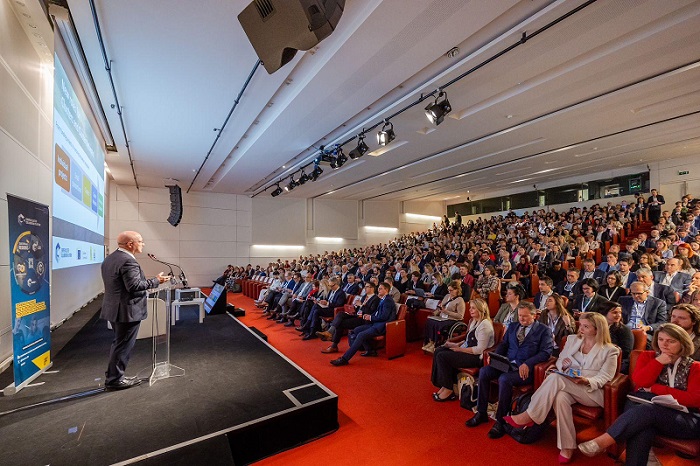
x=30, y=292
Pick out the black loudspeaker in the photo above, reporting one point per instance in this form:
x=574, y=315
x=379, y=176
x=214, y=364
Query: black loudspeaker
x=175, y=205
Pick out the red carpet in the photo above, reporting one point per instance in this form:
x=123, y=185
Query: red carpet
x=387, y=415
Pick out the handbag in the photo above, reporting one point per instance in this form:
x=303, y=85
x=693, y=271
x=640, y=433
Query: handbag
x=467, y=390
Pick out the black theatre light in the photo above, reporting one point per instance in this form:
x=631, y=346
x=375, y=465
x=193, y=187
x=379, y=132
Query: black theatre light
x=292, y=184
x=316, y=173
x=361, y=148
x=340, y=158
x=437, y=110
x=386, y=135
x=303, y=178
x=277, y=191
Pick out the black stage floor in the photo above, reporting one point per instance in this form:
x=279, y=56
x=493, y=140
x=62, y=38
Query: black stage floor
x=239, y=401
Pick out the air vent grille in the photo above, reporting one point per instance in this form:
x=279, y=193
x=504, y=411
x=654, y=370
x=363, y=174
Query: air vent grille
x=265, y=8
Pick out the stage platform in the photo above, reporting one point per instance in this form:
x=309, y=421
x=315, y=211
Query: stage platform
x=239, y=401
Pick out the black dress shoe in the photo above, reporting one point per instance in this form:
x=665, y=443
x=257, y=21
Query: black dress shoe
x=309, y=336
x=289, y=324
x=340, y=362
x=497, y=431
x=369, y=354
x=122, y=384
x=299, y=329
x=479, y=418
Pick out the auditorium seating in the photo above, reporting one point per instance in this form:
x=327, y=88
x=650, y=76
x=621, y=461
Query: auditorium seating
x=394, y=340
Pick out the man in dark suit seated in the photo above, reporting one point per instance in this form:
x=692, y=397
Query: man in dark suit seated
x=125, y=304
x=323, y=308
x=350, y=320
x=352, y=286
x=673, y=277
x=589, y=271
x=663, y=292
x=589, y=300
x=545, y=292
x=525, y=345
x=360, y=337
x=569, y=287
x=643, y=311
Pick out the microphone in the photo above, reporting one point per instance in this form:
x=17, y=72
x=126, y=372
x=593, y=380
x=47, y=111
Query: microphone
x=153, y=257
x=182, y=276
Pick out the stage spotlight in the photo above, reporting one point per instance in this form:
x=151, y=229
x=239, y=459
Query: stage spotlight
x=303, y=178
x=386, y=135
x=361, y=148
x=316, y=173
x=277, y=191
x=437, y=110
x=292, y=184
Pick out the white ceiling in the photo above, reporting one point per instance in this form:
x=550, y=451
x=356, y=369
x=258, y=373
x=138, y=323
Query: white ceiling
x=614, y=85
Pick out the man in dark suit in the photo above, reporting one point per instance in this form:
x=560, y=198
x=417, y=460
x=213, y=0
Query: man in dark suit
x=545, y=292
x=360, y=337
x=589, y=300
x=124, y=304
x=673, y=277
x=663, y=292
x=589, y=271
x=643, y=311
x=350, y=320
x=571, y=286
x=525, y=345
x=351, y=286
x=323, y=308
x=655, y=202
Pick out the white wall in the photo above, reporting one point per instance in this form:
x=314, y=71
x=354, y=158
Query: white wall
x=215, y=229
x=26, y=103
x=673, y=186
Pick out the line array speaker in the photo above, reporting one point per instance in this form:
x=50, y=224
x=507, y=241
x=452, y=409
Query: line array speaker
x=175, y=205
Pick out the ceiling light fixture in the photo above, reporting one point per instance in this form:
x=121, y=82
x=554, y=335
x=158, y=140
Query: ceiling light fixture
x=292, y=184
x=437, y=110
x=339, y=158
x=303, y=178
x=277, y=191
x=316, y=173
x=361, y=148
x=386, y=135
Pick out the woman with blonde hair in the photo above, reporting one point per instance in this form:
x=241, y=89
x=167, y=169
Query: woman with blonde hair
x=466, y=353
x=587, y=362
x=667, y=370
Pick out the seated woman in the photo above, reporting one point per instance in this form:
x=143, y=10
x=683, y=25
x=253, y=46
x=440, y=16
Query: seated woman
x=620, y=334
x=558, y=319
x=667, y=370
x=591, y=356
x=438, y=290
x=487, y=282
x=612, y=289
x=524, y=269
x=506, y=276
x=467, y=353
x=448, y=312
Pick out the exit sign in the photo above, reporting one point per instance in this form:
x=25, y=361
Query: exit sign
x=685, y=172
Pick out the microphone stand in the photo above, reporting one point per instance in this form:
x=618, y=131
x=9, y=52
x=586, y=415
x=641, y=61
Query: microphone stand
x=182, y=276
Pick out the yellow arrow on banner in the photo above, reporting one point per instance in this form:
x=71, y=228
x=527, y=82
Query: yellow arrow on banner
x=42, y=360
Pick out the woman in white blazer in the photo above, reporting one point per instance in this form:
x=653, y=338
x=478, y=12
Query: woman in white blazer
x=590, y=359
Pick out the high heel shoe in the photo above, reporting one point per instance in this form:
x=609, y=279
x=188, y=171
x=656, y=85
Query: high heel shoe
x=590, y=448
x=515, y=425
x=437, y=398
x=564, y=460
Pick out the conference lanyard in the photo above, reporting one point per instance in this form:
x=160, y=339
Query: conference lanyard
x=672, y=373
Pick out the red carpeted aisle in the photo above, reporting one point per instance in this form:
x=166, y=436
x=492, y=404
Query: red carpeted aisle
x=387, y=415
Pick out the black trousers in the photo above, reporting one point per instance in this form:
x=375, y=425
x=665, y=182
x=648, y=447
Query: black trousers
x=445, y=365
x=120, y=352
x=434, y=328
x=342, y=322
x=641, y=422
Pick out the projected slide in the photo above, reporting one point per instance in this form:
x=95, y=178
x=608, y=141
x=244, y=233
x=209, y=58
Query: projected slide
x=79, y=181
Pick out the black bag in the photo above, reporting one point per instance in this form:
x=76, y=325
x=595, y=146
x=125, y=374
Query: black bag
x=468, y=391
x=529, y=434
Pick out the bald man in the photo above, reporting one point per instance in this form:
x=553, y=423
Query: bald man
x=124, y=304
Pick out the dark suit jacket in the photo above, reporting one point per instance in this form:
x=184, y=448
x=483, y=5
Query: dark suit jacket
x=679, y=282
x=598, y=304
x=353, y=289
x=125, y=298
x=370, y=305
x=598, y=274
x=666, y=294
x=338, y=299
x=536, y=348
x=386, y=312
x=576, y=290
x=654, y=311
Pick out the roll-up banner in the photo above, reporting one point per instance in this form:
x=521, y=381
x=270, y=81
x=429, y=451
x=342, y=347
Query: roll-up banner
x=30, y=294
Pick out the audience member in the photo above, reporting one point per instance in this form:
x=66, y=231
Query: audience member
x=449, y=311
x=557, y=318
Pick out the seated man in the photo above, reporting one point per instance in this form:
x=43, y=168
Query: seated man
x=569, y=287
x=350, y=320
x=279, y=298
x=589, y=271
x=290, y=310
x=545, y=292
x=376, y=325
x=643, y=311
x=687, y=317
x=525, y=344
x=508, y=312
x=323, y=308
x=663, y=292
x=673, y=277
x=352, y=286
x=610, y=264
